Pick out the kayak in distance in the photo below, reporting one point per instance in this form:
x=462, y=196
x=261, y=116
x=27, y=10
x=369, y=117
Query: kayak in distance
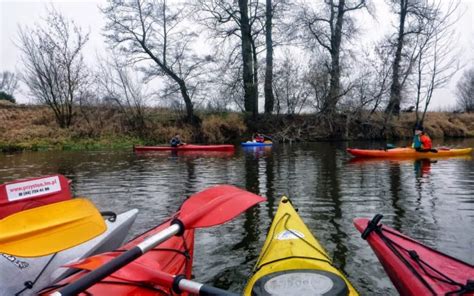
x=413, y=268
x=187, y=154
x=408, y=152
x=256, y=144
x=188, y=147
x=293, y=262
x=404, y=160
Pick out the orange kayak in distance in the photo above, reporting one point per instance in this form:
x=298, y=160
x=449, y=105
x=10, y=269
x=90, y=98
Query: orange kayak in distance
x=408, y=153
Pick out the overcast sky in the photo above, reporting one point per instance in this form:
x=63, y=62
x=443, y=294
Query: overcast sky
x=87, y=15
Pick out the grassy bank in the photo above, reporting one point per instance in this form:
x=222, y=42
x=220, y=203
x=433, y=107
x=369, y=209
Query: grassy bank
x=35, y=128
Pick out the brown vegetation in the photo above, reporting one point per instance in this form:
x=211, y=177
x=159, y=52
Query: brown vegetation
x=35, y=127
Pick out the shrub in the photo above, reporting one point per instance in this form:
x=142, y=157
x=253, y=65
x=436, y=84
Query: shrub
x=221, y=129
x=7, y=97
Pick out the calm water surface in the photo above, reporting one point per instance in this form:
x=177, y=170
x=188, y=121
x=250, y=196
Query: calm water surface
x=432, y=201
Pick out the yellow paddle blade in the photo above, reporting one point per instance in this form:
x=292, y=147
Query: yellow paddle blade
x=51, y=228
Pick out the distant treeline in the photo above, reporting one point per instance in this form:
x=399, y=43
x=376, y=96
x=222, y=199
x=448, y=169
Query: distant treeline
x=35, y=128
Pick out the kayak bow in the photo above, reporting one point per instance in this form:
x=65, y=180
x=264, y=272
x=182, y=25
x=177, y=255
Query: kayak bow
x=293, y=262
x=416, y=269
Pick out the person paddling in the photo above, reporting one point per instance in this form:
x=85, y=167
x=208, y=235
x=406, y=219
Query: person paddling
x=259, y=138
x=176, y=141
x=421, y=141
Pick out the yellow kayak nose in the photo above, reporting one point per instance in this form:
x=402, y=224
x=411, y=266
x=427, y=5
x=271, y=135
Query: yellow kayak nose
x=293, y=262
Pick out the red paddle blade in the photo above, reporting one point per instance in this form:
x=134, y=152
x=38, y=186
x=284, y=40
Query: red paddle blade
x=216, y=205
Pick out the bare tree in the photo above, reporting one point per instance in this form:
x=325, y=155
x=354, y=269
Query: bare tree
x=153, y=31
x=318, y=79
x=120, y=85
x=370, y=82
x=292, y=90
x=327, y=26
x=414, y=19
x=436, y=58
x=8, y=82
x=243, y=19
x=465, y=91
x=54, y=67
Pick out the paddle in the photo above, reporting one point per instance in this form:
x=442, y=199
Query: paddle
x=137, y=272
x=268, y=137
x=51, y=228
x=207, y=208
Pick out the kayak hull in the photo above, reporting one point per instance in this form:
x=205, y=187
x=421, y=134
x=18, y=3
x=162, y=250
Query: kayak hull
x=410, y=279
x=139, y=277
x=407, y=153
x=186, y=148
x=291, y=255
x=45, y=270
x=255, y=144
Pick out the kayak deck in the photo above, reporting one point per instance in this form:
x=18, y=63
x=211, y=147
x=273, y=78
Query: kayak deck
x=407, y=153
x=290, y=256
x=173, y=256
x=415, y=269
x=188, y=147
x=42, y=271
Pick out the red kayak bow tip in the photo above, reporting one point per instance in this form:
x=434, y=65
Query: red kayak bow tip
x=414, y=268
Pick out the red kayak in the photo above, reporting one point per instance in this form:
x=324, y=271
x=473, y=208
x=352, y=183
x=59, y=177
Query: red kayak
x=416, y=269
x=175, y=256
x=159, y=262
x=188, y=147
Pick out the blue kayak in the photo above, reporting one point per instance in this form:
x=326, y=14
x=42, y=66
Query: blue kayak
x=255, y=144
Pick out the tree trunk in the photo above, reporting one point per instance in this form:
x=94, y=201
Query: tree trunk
x=329, y=106
x=187, y=101
x=393, y=106
x=250, y=95
x=255, y=78
x=268, y=88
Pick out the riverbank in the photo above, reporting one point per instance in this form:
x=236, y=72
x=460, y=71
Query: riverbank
x=24, y=127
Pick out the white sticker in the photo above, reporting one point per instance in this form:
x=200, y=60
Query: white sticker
x=290, y=234
x=29, y=189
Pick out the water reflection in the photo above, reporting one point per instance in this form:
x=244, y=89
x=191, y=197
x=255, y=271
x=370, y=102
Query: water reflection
x=431, y=201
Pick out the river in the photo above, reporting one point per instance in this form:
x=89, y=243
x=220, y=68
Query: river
x=432, y=201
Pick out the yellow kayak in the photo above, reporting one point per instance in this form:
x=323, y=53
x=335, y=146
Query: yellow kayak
x=292, y=262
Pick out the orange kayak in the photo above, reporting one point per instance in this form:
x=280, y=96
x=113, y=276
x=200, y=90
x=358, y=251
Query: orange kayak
x=408, y=153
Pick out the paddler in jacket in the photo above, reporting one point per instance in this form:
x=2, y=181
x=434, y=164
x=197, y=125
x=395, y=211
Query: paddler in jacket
x=258, y=138
x=176, y=141
x=421, y=141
